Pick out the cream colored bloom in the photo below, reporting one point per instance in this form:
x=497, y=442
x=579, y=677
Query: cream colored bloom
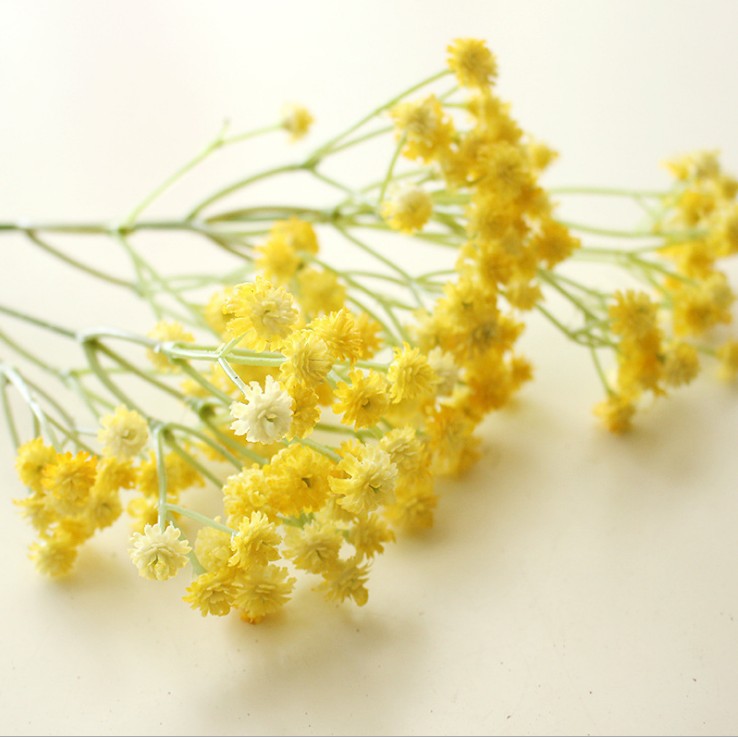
x=267, y=414
x=123, y=433
x=158, y=554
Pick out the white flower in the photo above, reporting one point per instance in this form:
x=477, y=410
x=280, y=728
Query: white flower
x=267, y=416
x=158, y=554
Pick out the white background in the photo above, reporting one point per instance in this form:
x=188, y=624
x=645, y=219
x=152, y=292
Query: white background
x=575, y=582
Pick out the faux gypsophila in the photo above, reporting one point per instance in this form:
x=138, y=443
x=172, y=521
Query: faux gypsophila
x=321, y=399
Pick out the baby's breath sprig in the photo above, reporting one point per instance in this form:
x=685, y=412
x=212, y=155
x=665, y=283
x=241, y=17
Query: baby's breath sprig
x=321, y=396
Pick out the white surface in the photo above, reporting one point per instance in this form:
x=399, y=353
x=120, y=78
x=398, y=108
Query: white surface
x=575, y=582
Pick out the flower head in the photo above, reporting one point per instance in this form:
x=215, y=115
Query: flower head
x=159, y=554
x=472, y=62
x=408, y=209
x=296, y=120
x=167, y=331
x=266, y=415
x=370, y=479
x=262, y=312
x=123, y=433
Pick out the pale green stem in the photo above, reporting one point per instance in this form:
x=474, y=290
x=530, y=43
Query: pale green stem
x=600, y=371
x=22, y=388
x=239, y=185
x=161, y=473
x=192, y=461
x=192, y=514
x=391, y=169
x=383, y=259
x=216, y=143
x=326, y=147
x=673, y=236
x=323, y=449
x=607, y=192
x=9, y=418
x=73, y=435
x=550, y=279
x=58, y=329
x=204, y=383
x=90, y=348
x=78, y=264
x=176, y=427
x=237, y=447
x=359, y=139
x=115, y=356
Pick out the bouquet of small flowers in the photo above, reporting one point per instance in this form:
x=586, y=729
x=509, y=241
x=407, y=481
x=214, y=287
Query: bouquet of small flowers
x=320, y=396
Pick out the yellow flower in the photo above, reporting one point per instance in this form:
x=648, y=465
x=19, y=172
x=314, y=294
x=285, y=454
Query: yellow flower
x=341, y=334
x=123, y=434
x=406, y=450
x=166, y=331
x=277, y=259
x=408, y=209
x=69, y=479
x=103, y=507
x=159, y=554
x=37, y=510
x=368, y=535
x=427, y=132
x=308, y=358
x=454, y=447
x=213, y=592
x=314, y=547
x=213, y=547
x=54, y=556
x=369, y=331
x=701, y=306
x=363, y=400
x=213, y=310
x=297, y=479
x=263, y=313
x=410, y=375
x=320, y=291
x=296, y=233
x=633, y=315
x=306, y=411
x=540, y=156
x=414, y=505
x=256, y=542
x=30, y=461
x=681, y=365
x=296, y=120
x=727, y=353
x=369, y=480
x=616, y=413
x=244, y=493
x=472, y=62
x=554, y=243
x=263, y=590
x=346, y=580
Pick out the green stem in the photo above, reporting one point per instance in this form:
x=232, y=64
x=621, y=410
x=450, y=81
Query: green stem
x=192, y=514
x=240, y=184
x=9, y=418
x=45, y=324
x=329, y=145
x=78, y=264
x=192, y=461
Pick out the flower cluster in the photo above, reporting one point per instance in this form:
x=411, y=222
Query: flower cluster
x=324, y=399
